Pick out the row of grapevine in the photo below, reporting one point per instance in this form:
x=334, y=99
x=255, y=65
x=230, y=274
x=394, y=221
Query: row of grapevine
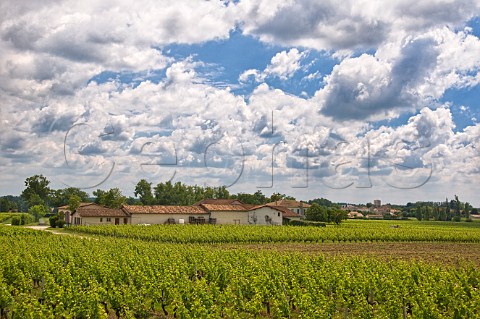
x=51, y=276
x=351, y=232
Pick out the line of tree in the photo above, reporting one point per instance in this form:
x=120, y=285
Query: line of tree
x=181, y=194
x=38, y=197
x=328, y=214
x=453, y=210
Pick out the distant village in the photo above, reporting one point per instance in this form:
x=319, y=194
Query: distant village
x=168, y=203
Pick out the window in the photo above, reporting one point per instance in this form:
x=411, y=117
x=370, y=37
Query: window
x=278, y=214
x=109, y=219
x=101, y=219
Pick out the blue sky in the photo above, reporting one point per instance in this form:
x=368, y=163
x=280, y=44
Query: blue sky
x=226, y=90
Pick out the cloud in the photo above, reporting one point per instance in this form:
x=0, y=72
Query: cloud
x=354, y=25
x=58, y=115
x=399, y=78
x=285, y=64
x=282, y=65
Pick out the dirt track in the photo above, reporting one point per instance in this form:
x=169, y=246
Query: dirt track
x=451, y=253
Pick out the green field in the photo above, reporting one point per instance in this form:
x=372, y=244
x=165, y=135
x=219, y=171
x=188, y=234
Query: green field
x=6, y=218
x=163, y=275
x=349, y=231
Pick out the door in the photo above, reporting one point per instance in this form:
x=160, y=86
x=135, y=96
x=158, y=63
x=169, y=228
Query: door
x=117, y=221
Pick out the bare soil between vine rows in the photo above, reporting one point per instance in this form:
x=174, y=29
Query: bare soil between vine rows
x=436, y=252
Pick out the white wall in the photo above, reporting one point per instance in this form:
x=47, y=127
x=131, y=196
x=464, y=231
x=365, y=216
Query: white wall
x=230, y=217
x=259, y=216
x=163, y=218
x=96, y=220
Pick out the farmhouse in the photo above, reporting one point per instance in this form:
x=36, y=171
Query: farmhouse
x=158, y=214
x=67, y=213
x=205, y=212
x=293, y=205
x=94, y=214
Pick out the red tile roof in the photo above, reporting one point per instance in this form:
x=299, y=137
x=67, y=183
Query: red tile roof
x=163, y=209
x=213, y=207
x=289, y=203
x=287, y=213
x=99, y=211
x=219, y=202
x=65, y=207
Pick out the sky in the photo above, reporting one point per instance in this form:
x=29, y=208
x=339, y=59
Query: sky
x=365, y=100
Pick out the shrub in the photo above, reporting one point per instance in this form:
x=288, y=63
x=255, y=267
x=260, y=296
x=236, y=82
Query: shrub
x=26, y=219
x=60, y=223
x=306, y=223
x=53, y=221
x=16, y=221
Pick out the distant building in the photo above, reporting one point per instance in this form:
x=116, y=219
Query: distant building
x=377, y=203
x=66, y=211
x=211, y=211
x=293, y=205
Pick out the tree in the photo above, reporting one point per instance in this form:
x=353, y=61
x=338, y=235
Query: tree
x=74, y=202
x=277, y=197
x=457, y=216
x=254, y=199
x=316, y=213
x=99, y=196
x=143, y=190
x=419, y=213
x=324, y=202
x=60, y=197
x=114, y=199
x=467, y=210
x=38, y=211
x=7, y=205
x=320, y=213
x=36, y=189
x=447, y=210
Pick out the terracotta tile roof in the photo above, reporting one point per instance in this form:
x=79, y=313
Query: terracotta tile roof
x=65, y=207
x=287, y=213
x=289, y=203
x=161, y=209
x=99, y=211
x=219, y=202
x=213, y=207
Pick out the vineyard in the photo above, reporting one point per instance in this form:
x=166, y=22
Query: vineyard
x=352, y=231
x=43, y=275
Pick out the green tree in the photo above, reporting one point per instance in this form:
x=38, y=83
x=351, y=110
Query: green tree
x=467, y=209
x=317, y=213
x=36, y=188
x=448, y=212
x=254, y=199
x=419, y=212
x=38, y=211
x=114, y=198
x=60, y=197
x=99, y=196
x=277, y=197
x=323, y=202
x=143, y=190
x=74, y=202
x=7, y=205
x=457, y=205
